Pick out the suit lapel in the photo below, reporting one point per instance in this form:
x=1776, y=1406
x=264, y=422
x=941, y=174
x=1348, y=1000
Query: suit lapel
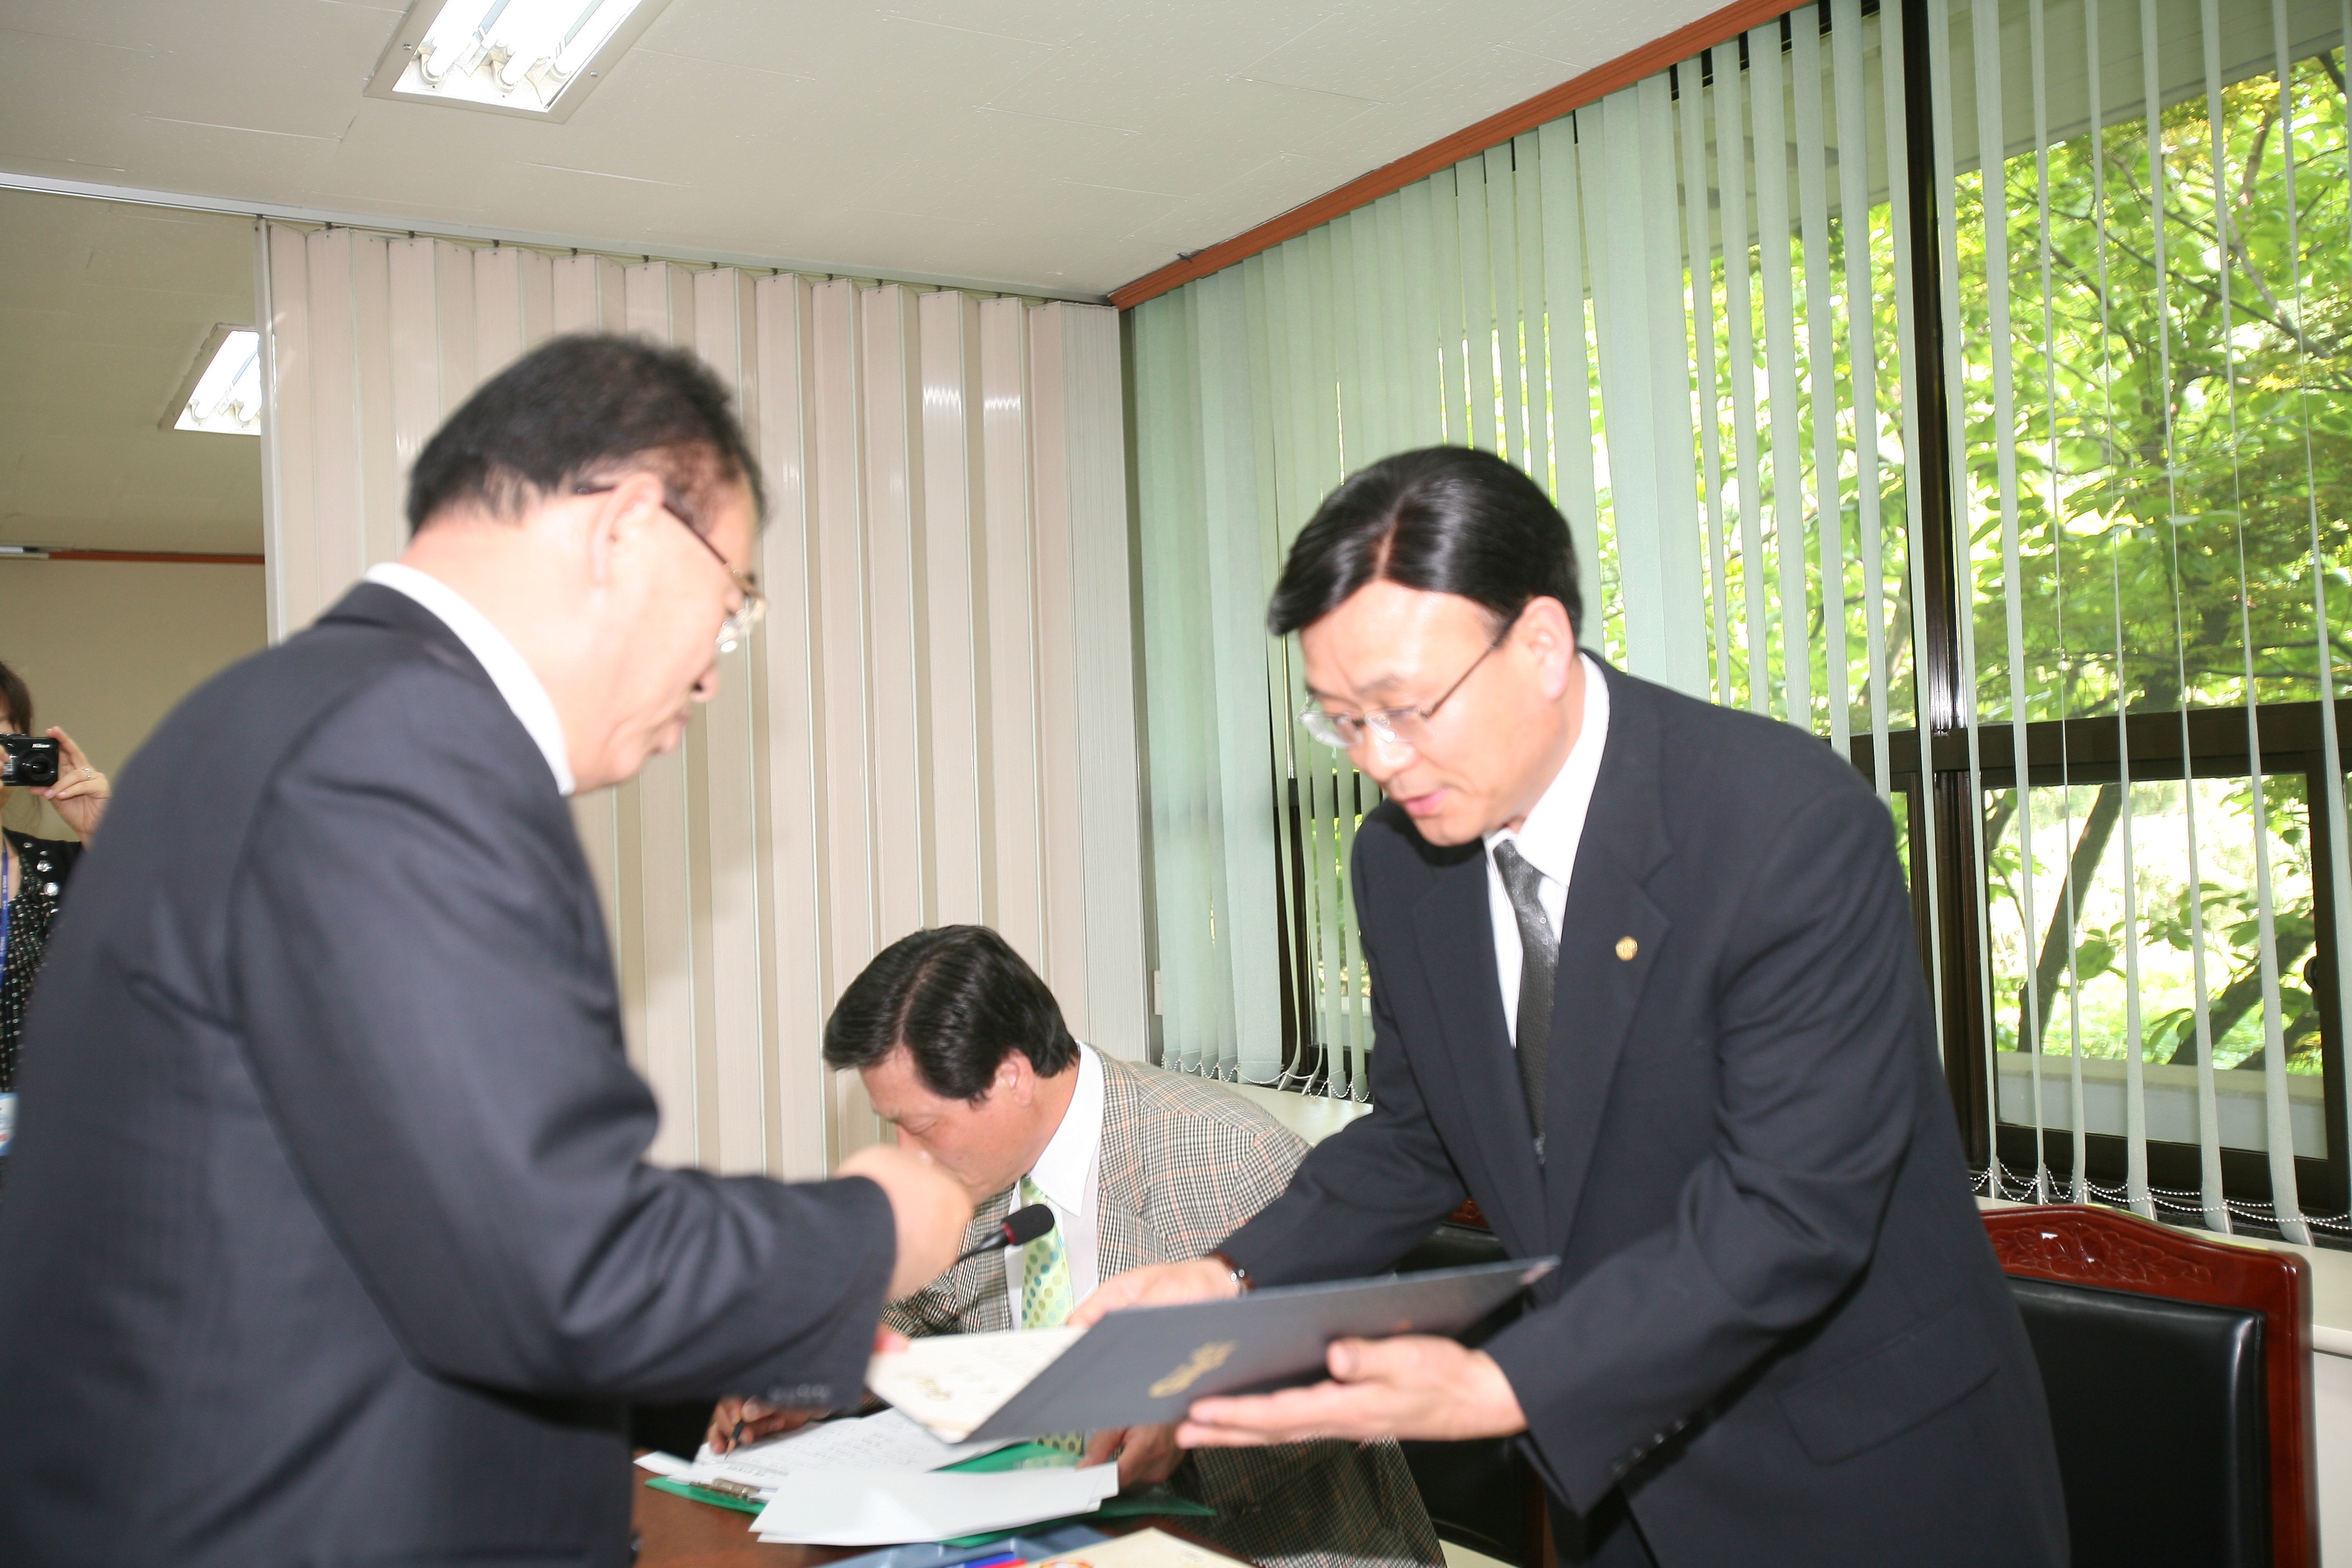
x=1457, y=940
x=1611, y=937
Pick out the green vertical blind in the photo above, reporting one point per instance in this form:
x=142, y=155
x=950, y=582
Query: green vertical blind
x=1684, y=309
x=2148, y=280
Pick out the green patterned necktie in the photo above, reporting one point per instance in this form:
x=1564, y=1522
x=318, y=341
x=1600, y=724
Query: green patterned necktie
x=1046, y=1301
x=1045, y=1272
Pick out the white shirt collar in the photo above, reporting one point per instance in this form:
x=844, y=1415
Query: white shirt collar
x=508, y=671
x=1061, y=1172
x=1548, y=837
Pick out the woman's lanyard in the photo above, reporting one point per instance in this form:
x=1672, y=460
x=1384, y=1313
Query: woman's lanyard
x=11, y=859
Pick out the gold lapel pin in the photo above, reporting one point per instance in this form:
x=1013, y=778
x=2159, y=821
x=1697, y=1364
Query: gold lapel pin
x=1627, y=947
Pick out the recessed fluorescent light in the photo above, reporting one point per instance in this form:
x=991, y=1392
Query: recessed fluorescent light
x=533, y=58
x=225, y=396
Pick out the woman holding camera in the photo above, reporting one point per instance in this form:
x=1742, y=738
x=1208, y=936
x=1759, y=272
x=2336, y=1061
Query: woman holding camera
x=33, y=873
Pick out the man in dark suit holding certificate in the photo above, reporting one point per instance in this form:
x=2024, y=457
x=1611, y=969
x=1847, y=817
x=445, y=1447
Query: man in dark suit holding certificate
x=329, y=1237
x=1644, y=985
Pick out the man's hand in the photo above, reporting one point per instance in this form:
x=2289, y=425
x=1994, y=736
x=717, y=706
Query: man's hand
x=930, y=1207
x=1415, y=1385
x=756, y=1418
x=1157, y=1285
x=1147, y=1455
x=753, y=1419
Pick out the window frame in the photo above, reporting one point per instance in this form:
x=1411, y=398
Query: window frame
x=2087, y=752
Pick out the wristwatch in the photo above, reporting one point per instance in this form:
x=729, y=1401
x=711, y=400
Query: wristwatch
x=1242, y=1283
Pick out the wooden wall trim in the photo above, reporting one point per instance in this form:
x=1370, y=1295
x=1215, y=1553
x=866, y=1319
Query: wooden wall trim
x=171, y=557
x=1709, y=30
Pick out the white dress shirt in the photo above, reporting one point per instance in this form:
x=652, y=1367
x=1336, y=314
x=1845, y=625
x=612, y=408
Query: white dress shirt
x=1067, y=1173
x=1547, y=840
x=513, y=677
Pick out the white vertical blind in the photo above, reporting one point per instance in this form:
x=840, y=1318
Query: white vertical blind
x=1687, y=309
x=1660, y=328
x=936, y=722
x=2152, y=492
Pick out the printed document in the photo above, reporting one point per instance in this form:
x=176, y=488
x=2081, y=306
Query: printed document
x=889, y=1441
x=952, y=1383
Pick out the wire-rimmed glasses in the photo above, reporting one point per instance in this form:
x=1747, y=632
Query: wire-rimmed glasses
x=1405, y=727
x=743, y=617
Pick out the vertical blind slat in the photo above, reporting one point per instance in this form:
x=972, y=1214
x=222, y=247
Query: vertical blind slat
x=1821, y=366
x=2339, y=852
x=1698, y=253
x=1740, y=320
x=1526, y=180
x=1767, y=104
x=1985, y=34
x=1925, y=853
x=1564, y=296
x=1860, y=316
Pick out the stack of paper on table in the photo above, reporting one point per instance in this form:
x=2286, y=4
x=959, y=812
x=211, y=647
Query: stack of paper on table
x=866, y=1508
x=887, y=1442
x=870, y=1482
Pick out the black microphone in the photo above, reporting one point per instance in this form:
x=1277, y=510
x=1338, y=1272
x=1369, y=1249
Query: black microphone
x=1020, y=1227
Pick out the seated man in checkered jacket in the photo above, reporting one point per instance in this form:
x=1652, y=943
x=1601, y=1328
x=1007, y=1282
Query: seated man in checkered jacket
x=963, y=1046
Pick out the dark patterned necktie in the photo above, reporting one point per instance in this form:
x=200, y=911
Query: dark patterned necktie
x=1539, y=958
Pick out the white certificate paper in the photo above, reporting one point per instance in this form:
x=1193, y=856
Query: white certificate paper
x=952, y=1383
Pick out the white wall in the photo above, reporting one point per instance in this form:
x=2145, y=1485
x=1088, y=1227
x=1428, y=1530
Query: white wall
x=109, y=647
x=936, y=722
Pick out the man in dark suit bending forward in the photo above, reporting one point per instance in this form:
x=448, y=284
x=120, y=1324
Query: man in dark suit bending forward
x=1644, y=985
x=329, y=1238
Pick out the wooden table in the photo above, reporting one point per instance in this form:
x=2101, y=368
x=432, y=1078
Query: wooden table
x=679, y=1533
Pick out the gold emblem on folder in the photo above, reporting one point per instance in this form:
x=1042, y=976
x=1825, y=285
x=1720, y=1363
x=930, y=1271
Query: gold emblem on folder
x=1206, y=1360
x=1627, y=947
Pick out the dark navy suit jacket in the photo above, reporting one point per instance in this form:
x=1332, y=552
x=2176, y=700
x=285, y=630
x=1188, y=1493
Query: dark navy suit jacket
x=328, y=1238
x=1778, y=1325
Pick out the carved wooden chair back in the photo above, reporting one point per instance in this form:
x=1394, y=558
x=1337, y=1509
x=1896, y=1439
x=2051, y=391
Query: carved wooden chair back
x=2111, y=1406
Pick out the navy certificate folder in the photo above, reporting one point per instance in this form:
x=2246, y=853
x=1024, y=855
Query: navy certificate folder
x=1146, y=1365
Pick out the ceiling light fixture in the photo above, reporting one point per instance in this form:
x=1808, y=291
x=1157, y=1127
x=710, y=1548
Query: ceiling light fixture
x=532, y=57
x=221, y=394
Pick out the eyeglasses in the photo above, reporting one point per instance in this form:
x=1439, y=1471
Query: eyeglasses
x=1407, y=727
x=743, y=617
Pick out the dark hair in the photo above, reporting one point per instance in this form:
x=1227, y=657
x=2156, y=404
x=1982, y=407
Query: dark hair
x=576, y=409
x=1444, y=519
x=961, y=1000
x=18, y=698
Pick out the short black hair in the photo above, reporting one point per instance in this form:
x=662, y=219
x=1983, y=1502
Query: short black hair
x=579, y=409
x=17, y=698
x=1444, y=519
x=961, y=1000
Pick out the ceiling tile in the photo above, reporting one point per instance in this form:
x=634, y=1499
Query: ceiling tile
x=126, y=297
x=1371, y=54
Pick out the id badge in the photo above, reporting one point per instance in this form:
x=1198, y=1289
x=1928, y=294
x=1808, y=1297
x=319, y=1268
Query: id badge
x=7, y=1121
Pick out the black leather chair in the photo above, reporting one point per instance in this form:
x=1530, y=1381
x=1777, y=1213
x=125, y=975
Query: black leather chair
x=2177, y=1374
x=1483, y=1494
